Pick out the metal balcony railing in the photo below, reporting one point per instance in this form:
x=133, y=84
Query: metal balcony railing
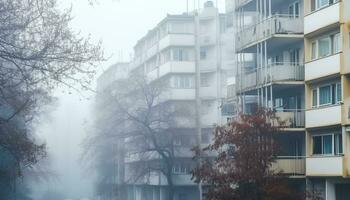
x=291, y=118
x=274, y=72
x=290, y=165
x=276, y=24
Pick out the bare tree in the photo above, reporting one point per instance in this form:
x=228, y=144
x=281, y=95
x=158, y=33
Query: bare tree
x=38, y=52
x=140, y=117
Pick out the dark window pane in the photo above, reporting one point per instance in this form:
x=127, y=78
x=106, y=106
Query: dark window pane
x=317, y=145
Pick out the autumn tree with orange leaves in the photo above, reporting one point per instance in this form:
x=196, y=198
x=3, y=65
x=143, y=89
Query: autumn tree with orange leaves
x=242, y=169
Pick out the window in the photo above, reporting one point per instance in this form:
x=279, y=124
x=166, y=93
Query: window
x=180, y=54
x=322, y=3
x=314, y=50
x=314, y=97
x=338, y=92
x=330, y=144
x=325, y=46
x=318, y=4
x=338, y=144
x=336, y=43
x=327, y=144
x=293, y=9
x=327, y=95
x=317, y=145
x=183, y=82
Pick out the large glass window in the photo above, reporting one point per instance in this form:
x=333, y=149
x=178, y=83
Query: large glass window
x=328, y=144
x=327, y=94
x=325, y=46
x=183, y=82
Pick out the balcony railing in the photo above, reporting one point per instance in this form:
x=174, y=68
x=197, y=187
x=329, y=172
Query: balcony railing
x=290, y=165
x=272, y=73
x=291, y=118
x=277, y=24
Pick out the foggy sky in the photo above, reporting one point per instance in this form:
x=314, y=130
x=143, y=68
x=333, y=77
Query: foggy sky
x=119, y=24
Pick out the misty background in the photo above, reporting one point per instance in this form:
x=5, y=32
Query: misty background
x=118, y=24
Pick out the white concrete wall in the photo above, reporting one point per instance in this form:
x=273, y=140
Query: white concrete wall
x=176, y=67
x=325, y=116
x=322, y=67
x=322, y=18
x=176, y=40
x=324, y=166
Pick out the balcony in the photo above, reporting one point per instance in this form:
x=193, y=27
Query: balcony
x=282, y=72
x=183, y=179
x=280, y=25
x=178, y=94
x=324, y=166
x=322, y=18
x=176, y=67
x=324, y=116
x=290, y=165
x=292, y=118
x=275, y=72
x=323, y=67
x=176, y=40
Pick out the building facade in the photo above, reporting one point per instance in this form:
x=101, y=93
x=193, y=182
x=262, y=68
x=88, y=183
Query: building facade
x=293, y=57
x=326, y=29
x=192, y=54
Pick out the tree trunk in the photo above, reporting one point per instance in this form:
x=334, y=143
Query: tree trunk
x=170, y=185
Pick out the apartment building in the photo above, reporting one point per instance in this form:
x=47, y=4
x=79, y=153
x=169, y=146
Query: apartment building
x=192, y=54
x=269, y=44
x=293, y=57
x=109, y=175
x=327, y=68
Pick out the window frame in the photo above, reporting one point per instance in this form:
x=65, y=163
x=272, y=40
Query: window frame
x=333, y=143
x=332, y=84
x=315, y=46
